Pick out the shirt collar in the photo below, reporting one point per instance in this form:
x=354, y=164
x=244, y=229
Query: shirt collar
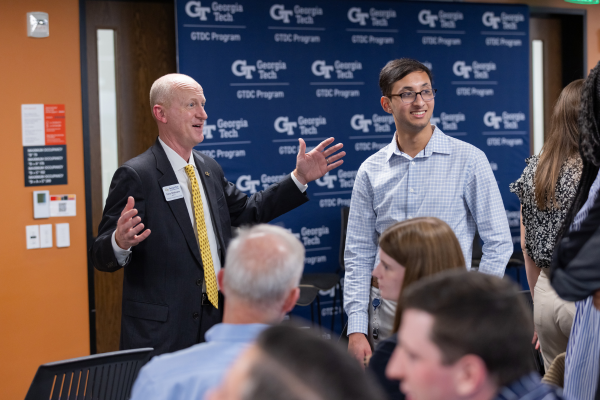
x=438, y=143
x=234, y=332
x=177, y=162
x=524, y=386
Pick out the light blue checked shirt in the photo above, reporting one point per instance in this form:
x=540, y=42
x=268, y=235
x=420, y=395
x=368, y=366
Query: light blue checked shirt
x=449, y=179
x=190, y=373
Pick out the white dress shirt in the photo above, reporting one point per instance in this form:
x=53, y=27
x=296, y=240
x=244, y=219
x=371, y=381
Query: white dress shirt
x=178, y=164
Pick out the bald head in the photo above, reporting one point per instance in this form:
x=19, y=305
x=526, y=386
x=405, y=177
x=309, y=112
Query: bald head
x=263, y=264
x=165, y=89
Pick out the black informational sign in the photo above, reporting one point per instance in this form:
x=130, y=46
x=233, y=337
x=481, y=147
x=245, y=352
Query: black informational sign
x=45, y=165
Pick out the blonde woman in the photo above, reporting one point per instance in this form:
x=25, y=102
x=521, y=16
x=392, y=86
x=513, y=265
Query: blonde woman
x=409, y=251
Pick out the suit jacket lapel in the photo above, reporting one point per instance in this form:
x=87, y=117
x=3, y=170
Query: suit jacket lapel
x=178, y=207
x=208, y=183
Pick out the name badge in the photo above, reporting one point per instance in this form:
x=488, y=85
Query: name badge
x=173, y=192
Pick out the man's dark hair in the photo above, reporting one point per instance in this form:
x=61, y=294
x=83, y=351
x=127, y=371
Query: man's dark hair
x=477, y=314
x=295, y=364
x=398, y=69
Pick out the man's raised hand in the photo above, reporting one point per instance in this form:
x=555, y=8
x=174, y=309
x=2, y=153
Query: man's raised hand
x=318, y=162
x=128, y=227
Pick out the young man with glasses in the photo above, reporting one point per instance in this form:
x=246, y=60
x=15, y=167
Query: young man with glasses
x=421, y=173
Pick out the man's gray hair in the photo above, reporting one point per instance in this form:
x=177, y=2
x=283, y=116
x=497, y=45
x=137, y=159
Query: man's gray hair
x=263, y=264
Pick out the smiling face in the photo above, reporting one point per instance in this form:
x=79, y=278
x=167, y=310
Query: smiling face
x=390, y=275
x=417, y=361
x=184, y=114
x=410, y=118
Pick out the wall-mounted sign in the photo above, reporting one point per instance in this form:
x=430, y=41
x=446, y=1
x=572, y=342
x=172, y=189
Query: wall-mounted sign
x=43, y=124
x=45, y=165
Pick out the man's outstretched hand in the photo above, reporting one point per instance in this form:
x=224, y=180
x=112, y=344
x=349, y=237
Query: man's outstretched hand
x=128, y=227
x=318, y=162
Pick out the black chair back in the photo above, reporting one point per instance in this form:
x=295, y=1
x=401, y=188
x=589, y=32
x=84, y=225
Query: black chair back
x=99, y=376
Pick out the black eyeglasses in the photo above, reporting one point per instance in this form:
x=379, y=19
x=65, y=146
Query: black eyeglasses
x=410, y=97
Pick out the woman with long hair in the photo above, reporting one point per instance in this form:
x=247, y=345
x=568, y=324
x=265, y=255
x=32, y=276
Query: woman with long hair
x=546, y=190
x=409, y=251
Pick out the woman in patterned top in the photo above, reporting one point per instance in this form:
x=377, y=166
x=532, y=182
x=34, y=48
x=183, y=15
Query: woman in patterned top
x=546, y=190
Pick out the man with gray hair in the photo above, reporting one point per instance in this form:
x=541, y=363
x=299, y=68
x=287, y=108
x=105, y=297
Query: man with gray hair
x=260, y=282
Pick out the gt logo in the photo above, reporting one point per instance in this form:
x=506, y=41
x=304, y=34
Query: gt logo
x=282, y=125
x=246, y=184
x=208, y=130
x=239, y=68
x=279, y=13
x=490, y=20
x=359, y=123
x=320, y=68
x=425, y=18
x=461, y=69
x=327, y=180
x=490, y=119
x=356, y=15
x=194, y=10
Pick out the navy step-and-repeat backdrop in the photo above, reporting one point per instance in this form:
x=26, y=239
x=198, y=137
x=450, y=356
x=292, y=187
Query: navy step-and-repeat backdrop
x=274, y=72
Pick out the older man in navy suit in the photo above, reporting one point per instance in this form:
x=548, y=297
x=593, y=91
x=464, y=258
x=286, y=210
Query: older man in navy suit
x=168, y=219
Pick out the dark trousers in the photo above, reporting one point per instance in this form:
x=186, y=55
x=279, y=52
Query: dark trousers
x=210, y=316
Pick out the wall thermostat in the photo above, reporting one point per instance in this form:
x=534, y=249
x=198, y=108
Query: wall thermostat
x=41, y=204
x=37, y=24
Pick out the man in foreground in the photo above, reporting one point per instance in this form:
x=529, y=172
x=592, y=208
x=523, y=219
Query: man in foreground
x=421, y=173
x=170, y=290
x=466, y=336
x=260, y=283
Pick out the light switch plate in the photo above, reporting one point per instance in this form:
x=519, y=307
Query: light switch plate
x=46, y=236
x=33, y=236
x=37, y=24
x=63, y=236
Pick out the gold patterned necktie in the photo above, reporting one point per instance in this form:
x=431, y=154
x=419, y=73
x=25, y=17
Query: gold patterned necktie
x=207, y=263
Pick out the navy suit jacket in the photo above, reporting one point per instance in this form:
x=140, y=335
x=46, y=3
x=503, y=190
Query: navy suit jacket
x=162, y=287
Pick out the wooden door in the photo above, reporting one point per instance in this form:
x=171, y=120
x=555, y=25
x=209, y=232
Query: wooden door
x=144, y=50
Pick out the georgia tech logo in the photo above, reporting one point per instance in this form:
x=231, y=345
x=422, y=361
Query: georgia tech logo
x=239, y=68
x=509, y=120
x=282, y=125
x=279, y=13
x=490, y=119
x=359, y=123
x=320, y=68
x=208, y=130
x=490, y=20
x=356, y=15
x=246, y=184
x=327, y=180
x=460, y=68
x=381, y=123
x=425, y=18
x=195, y=10
x=343, y=70
x=480, y=70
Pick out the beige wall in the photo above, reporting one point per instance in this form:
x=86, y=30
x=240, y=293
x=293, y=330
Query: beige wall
x=43, y=292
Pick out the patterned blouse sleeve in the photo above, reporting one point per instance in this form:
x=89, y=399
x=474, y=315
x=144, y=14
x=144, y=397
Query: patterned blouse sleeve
x=518, y=186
